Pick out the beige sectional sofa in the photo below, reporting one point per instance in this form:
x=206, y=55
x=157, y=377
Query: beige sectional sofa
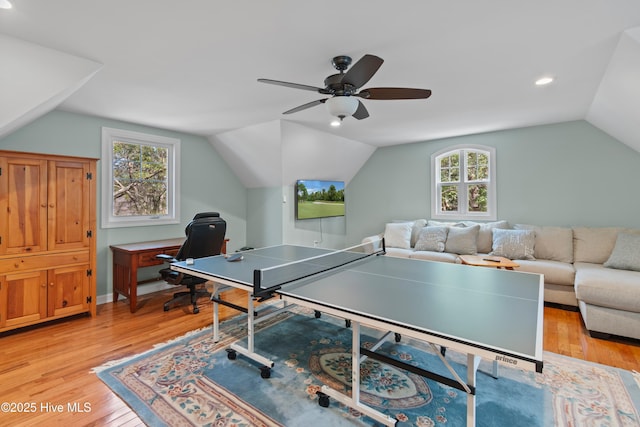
x=594, y=269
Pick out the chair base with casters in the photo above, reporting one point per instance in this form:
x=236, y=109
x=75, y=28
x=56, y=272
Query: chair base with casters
x=197, y=289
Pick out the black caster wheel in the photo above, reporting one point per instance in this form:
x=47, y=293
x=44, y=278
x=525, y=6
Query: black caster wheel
x=166, y=308
x=232, y=355
x=317, y=314
x=265, y=372
x=196, y=310
x=398, y=337
x=323, y=399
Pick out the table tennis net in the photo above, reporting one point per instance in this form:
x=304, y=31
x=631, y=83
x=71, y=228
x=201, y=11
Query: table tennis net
x=271, y=278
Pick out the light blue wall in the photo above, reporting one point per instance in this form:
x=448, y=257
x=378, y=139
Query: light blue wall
x=562, y=174
x=207, y=183
x=264, y=216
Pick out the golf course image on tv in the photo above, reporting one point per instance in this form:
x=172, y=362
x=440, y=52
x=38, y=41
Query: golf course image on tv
x=319, y=199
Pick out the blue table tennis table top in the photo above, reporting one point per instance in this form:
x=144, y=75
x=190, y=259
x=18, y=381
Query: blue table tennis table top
x=489, y=308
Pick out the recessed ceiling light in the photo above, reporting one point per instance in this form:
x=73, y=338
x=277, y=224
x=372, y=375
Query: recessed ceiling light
x=5, y=4
x=544, y=81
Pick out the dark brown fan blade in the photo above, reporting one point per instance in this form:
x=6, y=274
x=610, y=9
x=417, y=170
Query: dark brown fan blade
x=361, y=112
x=305, y=106
x=292, y=85
x=362, y=71
x=394, y=93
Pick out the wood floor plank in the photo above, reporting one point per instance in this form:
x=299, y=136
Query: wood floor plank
x=52, y=363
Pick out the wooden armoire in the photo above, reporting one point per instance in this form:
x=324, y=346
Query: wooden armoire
x=47, y=238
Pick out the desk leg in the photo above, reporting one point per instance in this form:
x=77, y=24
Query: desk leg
x=133, y=288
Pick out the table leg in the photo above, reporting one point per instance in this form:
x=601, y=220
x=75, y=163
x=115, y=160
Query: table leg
x=215, y=296
x=472, y=368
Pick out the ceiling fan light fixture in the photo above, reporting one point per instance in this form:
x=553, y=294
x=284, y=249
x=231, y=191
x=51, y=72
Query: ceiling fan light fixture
x=544, y=81
x=342, y=106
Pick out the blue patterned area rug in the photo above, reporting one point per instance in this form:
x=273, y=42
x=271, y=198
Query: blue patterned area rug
x=190, y=381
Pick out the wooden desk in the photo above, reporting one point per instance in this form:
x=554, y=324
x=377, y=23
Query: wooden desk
x=129, y=257
x=489, y=261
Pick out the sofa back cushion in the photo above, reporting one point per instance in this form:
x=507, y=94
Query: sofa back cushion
x=551, y=243
x=485, y=234
x=594, y=244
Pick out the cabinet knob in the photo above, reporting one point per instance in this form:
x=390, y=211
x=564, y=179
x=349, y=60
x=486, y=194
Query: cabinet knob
x=51, y=284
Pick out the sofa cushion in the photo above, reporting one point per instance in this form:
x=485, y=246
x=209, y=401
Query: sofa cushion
x=432, y=239
x=556, y=272
x=594, y=245
x=434, y=256
x=398, y=235
x=626, y=253
x=399, y=252
x=552, y=243
x=416, y=226
x=513, y=244
x=462, y=240
x=485, y=234
x=445, y=223
x=605, y=287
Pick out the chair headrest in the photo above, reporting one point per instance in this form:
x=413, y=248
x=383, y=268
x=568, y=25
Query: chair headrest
x=206, y=215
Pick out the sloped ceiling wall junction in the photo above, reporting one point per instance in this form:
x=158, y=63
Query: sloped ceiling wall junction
x=617, y=102
x=35, y=79
x=277, y=153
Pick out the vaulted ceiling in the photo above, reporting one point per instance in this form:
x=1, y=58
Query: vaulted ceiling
x=192, y=65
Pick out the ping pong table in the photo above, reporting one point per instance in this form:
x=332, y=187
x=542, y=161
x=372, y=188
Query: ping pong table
x=484, y=313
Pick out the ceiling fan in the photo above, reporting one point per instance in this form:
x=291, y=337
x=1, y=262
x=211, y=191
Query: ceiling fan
x=344, y=88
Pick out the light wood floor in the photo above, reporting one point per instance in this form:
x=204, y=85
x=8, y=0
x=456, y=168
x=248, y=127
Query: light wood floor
x=50, y=364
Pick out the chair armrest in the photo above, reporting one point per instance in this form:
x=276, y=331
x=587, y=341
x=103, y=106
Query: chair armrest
x=166, y=258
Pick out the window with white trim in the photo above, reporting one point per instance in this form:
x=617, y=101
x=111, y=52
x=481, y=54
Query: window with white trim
x=140, y=179
x=463, y=183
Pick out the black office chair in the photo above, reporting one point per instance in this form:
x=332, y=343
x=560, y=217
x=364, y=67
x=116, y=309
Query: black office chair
x=205, y=237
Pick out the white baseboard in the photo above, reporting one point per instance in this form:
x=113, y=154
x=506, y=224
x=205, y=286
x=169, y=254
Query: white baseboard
x=147, y=288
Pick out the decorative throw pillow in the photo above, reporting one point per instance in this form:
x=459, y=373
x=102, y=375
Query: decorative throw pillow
x=398, y=235
x=485, y=235
x=626, y=253
x=462, y=240
x=417, y=226
x=513, y=244
x=432, y=239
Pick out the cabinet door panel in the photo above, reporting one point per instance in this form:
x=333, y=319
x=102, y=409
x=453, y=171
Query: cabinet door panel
x=23, y=196
x=68, y=290
x=69, y=198
x=23, y=298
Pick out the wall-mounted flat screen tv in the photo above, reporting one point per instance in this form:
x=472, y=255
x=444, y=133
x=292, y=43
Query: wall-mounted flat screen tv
x=319, y=199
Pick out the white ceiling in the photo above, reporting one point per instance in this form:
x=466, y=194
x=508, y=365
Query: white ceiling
x=192, y=65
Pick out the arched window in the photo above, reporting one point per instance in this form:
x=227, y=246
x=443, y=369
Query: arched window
x=463, y=183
